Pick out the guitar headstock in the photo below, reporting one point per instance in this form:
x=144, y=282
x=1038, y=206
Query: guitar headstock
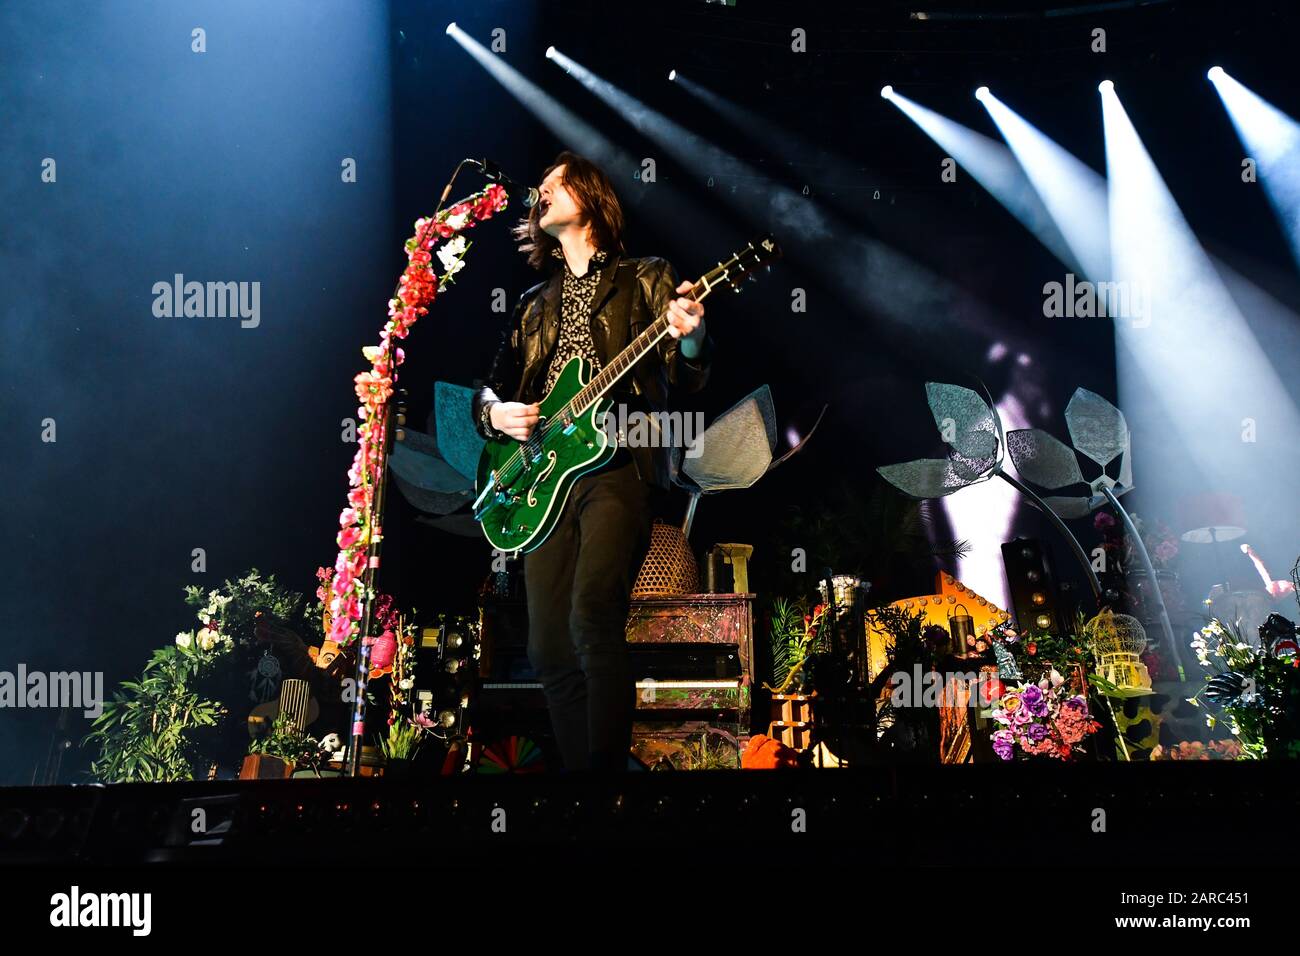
x=755, y=255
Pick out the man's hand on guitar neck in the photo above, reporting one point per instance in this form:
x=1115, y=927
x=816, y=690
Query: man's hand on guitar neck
x=686, y=322
x=514, y=418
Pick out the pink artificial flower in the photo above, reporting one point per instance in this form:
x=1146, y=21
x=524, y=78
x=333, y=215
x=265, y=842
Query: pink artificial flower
x=340, y=630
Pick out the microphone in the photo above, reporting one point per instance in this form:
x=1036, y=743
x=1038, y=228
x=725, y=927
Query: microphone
x=490, y=170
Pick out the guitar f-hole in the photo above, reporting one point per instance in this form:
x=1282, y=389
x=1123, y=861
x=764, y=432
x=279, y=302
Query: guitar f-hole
x=550, y=466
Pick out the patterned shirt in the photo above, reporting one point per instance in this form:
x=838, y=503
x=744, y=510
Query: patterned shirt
x=575, y=317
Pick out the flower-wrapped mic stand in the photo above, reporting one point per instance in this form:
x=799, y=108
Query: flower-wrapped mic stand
x=352, y=591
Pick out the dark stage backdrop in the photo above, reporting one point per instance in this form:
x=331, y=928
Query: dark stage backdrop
x=176, y=434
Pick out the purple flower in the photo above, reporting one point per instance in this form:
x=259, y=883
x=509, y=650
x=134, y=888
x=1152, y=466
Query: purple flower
x=1034, y=701
x=1035, y=732
x=1004, y=744
x=1076, y=703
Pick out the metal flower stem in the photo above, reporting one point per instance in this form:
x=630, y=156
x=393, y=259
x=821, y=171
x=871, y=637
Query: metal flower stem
x=690, y=513
x=1151, y=575
x=1119, y=734
x=1056, y=521
x=359, y=708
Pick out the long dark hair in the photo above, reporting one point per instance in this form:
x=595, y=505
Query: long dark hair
x=593, y=191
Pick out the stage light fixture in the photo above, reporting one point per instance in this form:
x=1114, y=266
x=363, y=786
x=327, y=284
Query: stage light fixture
x=550, y=53
x=672, y=75
x=982, y=93
x=1105, y=86
x=886, y=91
x=451, y=26
x=1215, y=74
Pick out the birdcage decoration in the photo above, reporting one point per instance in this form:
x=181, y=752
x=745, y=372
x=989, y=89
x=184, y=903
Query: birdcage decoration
x=1117, y=641
x=669, y=566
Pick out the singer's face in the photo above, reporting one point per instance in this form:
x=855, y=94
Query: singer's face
x=558, y=210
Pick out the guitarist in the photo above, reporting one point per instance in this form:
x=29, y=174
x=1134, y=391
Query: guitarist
x=579, y=581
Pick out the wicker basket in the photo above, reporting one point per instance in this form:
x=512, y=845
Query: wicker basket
x=669, y=566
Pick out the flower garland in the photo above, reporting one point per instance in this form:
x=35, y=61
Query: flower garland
x=416, y=290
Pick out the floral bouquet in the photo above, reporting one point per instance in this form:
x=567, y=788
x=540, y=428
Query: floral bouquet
x=1043, y=719
x=405, y=736
x=1256, y=687
x=1019, y=653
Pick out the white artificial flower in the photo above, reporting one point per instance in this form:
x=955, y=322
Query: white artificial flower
x=450, y=256
x=184, y=639
x=407, y=683
x=207, y=639
x=457, y=222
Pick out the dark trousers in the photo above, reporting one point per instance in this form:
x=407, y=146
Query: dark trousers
x=579, y=585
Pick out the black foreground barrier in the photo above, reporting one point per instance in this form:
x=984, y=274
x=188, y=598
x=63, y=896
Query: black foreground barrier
x=1171, y=814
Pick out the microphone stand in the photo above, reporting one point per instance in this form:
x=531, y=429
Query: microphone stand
x=377, y=510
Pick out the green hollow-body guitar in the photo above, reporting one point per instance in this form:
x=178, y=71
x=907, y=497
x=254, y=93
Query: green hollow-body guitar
x=522, y=486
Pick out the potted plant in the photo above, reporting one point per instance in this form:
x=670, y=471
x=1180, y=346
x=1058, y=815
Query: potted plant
x=281, y=752
x=402, y=744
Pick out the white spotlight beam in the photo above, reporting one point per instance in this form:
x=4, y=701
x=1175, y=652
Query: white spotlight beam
x=1272, y=140
x=1192, y=347
x=567, y=126
x=669, y=209
x=1073, y=194
x=992, y=166
x=863, y=269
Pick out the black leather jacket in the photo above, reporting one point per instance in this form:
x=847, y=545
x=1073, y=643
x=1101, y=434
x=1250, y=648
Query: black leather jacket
x=630, y=295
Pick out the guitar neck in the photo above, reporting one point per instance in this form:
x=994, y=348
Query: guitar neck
x=637, y=349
